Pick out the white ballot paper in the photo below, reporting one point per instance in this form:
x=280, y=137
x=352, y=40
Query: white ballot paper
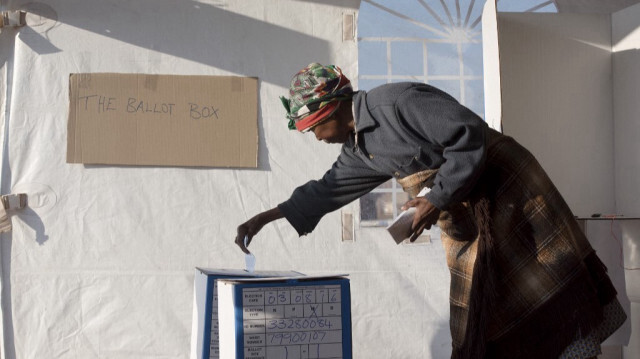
x=400, y=228
x=249, y=259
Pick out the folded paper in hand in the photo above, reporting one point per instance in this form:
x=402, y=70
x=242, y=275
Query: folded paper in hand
x=400, y=228
x=249, y=258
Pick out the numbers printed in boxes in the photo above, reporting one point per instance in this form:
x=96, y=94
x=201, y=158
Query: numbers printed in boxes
x=296, y=296
x=278, y=325
x=292, y=322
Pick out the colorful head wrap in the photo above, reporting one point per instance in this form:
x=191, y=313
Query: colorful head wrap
x=315, y=94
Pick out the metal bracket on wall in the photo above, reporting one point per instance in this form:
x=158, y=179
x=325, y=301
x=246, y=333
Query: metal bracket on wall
x=14, y=201
x=13, y=18
x=348, y=27
x=10, y=202
x=348, y=227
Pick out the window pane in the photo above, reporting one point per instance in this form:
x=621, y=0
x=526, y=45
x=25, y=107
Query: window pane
x=388, y=184
x=472, y=58
x=374, y=21
x=365, y=84
x=401, y=199
x=406, y=58
x=368, y=206
x=376, y=207
x=376, y=54
x=474, y=96
x=448, y=86
x=443, y=60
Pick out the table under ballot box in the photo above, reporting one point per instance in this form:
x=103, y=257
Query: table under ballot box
x=285, y=318
x=205, y=331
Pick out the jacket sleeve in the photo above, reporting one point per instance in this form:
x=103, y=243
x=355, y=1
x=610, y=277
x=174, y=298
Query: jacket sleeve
x=349, y=178
x=456, y=131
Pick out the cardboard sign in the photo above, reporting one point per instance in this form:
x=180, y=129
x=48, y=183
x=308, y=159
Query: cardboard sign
x=163, y=120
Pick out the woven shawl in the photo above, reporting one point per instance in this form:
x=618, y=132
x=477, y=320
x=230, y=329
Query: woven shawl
x=524, y=278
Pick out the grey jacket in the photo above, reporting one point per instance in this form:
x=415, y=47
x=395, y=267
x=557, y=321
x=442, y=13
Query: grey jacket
x=401, y=129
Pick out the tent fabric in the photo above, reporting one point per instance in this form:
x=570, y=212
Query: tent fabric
x=101, y=263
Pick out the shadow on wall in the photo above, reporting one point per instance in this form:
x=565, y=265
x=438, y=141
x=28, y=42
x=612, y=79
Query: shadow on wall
x=6, y=241
x=441, y=343
x=186, y=29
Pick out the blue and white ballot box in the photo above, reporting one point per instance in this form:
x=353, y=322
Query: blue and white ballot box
x=285, y=318
x=205, y=330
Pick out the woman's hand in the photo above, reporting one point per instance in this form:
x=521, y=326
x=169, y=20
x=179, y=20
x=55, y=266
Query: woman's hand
x=251, y=227
x=426, y=215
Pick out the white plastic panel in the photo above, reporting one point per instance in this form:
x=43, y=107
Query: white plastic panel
x=556, y=81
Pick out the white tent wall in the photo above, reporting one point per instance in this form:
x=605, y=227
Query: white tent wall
x=101, y=263
x=626, y=87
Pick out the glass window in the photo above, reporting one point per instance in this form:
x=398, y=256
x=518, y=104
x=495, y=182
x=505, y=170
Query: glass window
x=452, y=87
x=435, y=42
x=407, y=59
x=376, y=54
x=443, y=59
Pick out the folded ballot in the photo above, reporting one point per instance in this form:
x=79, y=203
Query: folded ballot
x=400, y=228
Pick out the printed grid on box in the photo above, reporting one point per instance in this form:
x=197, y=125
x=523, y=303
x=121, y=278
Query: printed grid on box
x=298, y=322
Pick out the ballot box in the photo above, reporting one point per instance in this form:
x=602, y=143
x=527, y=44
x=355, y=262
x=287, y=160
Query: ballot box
x=285, y=318
x=204, y=331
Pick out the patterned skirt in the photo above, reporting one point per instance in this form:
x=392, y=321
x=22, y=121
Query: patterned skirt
x=588, y=346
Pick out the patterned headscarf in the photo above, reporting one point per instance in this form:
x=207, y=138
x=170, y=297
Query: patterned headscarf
x=315, y=94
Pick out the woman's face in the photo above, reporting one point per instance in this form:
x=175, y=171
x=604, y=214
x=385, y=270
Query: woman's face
x=338, y=127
